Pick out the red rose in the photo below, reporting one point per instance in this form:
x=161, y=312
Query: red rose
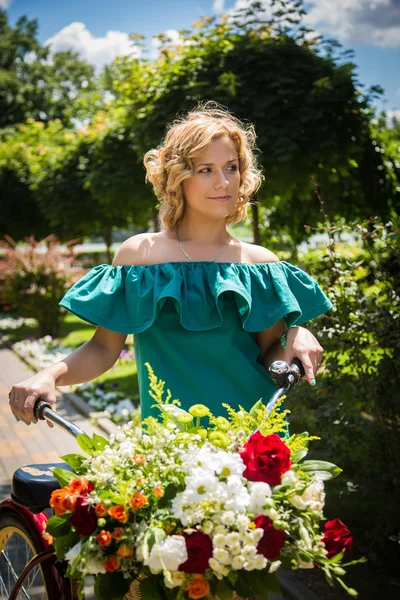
x=272, y=541
x=84, y=517
x=337, y=537
x=200, y=549
x=266, y=458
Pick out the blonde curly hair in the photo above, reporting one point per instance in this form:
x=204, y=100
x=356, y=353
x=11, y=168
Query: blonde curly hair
x=168, y=165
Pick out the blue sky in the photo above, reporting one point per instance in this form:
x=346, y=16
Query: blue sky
x=99, y=29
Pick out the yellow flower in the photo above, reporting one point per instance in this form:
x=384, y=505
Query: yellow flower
x=199, y=410
x=185, y=418
x=219, y=439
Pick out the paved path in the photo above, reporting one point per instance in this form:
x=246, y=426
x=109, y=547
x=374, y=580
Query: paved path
x=21, y=445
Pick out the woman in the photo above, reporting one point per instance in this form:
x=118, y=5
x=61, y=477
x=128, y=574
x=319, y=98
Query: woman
x=207, y=311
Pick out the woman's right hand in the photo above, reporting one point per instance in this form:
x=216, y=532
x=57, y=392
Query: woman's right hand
x=23, y=396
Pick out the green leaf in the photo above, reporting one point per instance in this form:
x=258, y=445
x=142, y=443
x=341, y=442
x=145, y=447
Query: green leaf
x=146, y=589
x=58, y=526
x=111, y=586
x=242, y=587
x=85, y=443
x=99, y=442
x=259, y=584
x=169, y=494
x=298, y=455
x=320, y=469
x=256, y=407
x=63, y=477
x=73, y=460
x=223, y=591
x=65, y=543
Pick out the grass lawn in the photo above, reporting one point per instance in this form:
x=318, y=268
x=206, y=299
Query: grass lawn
x=74, y=333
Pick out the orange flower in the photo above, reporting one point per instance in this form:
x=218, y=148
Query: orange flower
x=139, y=459
x=138, y=500
x=104, y=538
x=47, y=537
x=119, y=512
x=80, y=485
x=118, y=533
x=140, y=481
x=61, y=501
x=198, y=586
x=112, y=564
x=158, y=491
x=124, y=551
x=100, y=510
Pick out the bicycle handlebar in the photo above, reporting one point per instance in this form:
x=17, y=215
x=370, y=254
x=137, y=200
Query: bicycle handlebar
x=284, y=375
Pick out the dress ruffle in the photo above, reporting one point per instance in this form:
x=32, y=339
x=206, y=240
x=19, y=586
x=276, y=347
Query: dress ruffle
x=127, y=299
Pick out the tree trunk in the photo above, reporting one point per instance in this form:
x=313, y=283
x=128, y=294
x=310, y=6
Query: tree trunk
x=108, y=242
x=256, y=230
x=154, y=218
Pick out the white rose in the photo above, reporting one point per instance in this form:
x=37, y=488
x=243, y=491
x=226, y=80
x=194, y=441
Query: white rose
x=290, y=478
x=168, y=554
x=259, y=492
x=174, y=579
x=94, y=567
x=313, y=497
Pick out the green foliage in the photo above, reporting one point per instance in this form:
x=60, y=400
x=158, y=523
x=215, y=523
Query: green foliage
x=35, y=280
x=308, y=113
x=31, y=85
x=355, y=408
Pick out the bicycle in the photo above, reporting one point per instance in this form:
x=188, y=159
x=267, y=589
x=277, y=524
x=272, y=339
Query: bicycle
x=28, y=568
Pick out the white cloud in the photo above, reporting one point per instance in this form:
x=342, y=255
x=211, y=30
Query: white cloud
x=5, y=3
x=374, y=22
x=393, y=115
x=174, y=36
x=96, y=50
x=218, y=6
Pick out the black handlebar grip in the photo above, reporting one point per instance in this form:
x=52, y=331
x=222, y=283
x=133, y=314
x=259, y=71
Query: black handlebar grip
x=297, y=369
x=38, y=408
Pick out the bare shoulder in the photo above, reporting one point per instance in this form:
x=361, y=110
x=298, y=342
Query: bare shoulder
x=141, y=249
x=258, y=254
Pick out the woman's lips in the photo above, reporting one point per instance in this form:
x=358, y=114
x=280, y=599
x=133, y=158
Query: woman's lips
x=221, y=198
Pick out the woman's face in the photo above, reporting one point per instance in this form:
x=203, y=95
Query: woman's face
x=213, y=189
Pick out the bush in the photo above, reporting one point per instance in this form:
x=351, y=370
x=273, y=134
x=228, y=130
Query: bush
x=35, y=279
x=355, y=408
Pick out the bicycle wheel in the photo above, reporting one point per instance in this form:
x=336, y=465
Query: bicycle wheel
x=17, y=546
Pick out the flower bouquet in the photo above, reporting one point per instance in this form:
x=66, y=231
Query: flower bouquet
x=180, y=510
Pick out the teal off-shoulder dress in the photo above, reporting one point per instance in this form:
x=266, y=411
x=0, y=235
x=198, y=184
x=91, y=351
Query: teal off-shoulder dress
x=196, y=323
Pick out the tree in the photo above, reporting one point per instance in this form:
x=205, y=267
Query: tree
x=34, y=83
x=299, y=92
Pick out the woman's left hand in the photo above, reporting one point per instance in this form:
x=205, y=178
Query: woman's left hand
x=301, y=344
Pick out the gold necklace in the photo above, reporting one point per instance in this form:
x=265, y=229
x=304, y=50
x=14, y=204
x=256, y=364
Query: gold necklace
x=191, y=259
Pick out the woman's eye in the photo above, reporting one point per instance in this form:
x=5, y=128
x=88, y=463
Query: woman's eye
x=207, y=169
